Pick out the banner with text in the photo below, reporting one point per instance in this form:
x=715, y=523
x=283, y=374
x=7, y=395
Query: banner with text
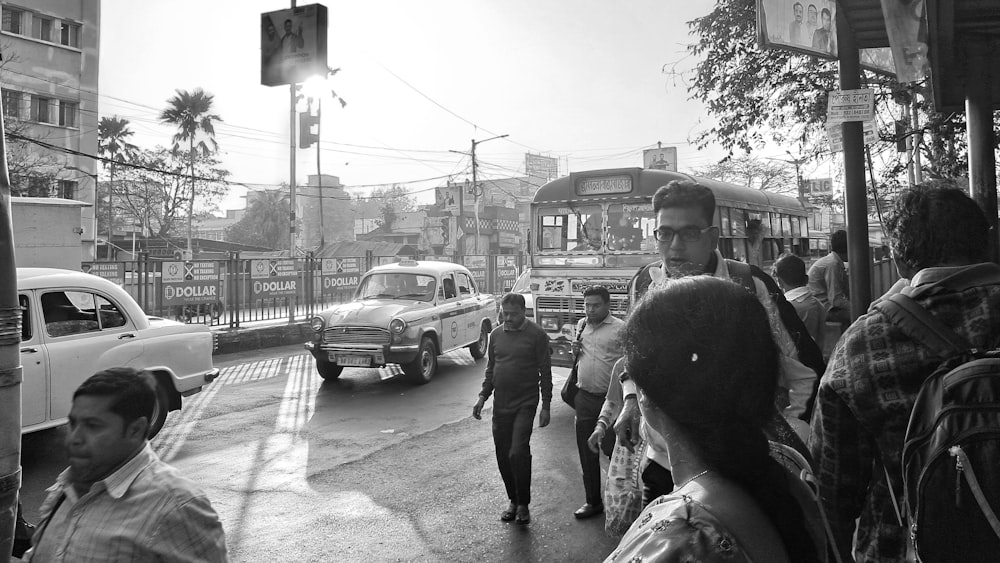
x=477, y=267
x=506, y=272
x=187, y=283
x=273, y=278
x=341, y=274
x=111, y=271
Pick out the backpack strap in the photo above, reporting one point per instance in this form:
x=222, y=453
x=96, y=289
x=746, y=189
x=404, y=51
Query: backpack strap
x=741, y=273
x=906, y=314
x=977, y=491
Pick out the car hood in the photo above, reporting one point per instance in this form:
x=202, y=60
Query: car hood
x=374, y=312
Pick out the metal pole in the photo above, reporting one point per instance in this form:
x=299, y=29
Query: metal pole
x=917, y=136
x=854, y=176
x=291, y=183
x=319, y=171
x=910, y=168
x=475, y=193
x=979, y=117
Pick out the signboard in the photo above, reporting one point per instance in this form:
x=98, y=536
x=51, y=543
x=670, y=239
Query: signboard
x=807, y=27
x=817, y=187
x=604, y=185
x=663, y=158
x=835, y=134
x=477, y=267
x=271, y=278
x=506, y=271
x=111, y=271
x=341, y=274
x=541, y=166
x=186, y=283
x=614, y=286
x=293, y=45
x=449, y=197
x=850, y=105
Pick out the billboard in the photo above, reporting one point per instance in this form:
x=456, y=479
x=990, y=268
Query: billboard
x=292, y=45
x=449, y=197
x=804, y=26
x=541, y=166
x=817, y=187
x=662, y=158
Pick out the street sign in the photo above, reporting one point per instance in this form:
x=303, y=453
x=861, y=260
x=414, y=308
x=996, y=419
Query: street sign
x=836, y=135
x=850, y=105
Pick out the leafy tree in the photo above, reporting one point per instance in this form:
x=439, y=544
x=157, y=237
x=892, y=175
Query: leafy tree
x=113, y=144
x=774, y=176
x=265, y=222
x=157, y=191
x=191, y=113
x=392, y=201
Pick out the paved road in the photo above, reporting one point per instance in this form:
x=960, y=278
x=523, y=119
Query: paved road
x=359, y=469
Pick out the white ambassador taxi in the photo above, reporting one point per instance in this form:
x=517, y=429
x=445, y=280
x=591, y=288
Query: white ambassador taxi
x=406, y=313
x=75, y=324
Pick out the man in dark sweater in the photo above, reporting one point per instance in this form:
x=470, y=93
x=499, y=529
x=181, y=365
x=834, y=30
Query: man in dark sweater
x=518, y=367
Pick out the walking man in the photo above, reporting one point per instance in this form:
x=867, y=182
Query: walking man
x=117, y=501
x=518, y=367
x=828, y=281
x=597, y=349
x=940, y=240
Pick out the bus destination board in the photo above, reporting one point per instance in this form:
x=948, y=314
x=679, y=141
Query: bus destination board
x=604, y=185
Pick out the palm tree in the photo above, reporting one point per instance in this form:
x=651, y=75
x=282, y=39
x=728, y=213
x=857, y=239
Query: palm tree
x=191, y=113
x=265, y=222
x=112, y=144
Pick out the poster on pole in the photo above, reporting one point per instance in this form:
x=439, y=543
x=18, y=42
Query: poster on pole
x=850, y=105
x=835, y=134
x=804, y=26
x=663, y=158
x=293, y=45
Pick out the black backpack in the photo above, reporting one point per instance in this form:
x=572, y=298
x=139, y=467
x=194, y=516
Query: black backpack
x=951, y=451
x=808, y=352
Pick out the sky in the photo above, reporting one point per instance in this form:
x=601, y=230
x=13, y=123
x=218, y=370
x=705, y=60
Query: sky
x=582, y=80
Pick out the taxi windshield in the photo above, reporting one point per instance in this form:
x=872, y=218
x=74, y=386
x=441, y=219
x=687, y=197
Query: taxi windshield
x=397, y=285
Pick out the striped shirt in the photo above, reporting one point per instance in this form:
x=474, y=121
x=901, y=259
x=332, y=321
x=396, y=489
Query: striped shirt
x=144, y=511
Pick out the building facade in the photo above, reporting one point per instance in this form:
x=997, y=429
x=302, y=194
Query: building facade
x=49, y=75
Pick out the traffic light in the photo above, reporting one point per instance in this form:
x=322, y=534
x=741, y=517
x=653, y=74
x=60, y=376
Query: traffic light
x=306, y=136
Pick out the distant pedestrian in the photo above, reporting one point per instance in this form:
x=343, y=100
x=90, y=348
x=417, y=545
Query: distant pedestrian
x=828, y=281
x=598, y=348
x=790, y=272
x=518, y=368
x=117, y=501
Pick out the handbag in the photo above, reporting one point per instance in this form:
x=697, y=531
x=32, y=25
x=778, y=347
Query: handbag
x=570, y=388
x=623, y=489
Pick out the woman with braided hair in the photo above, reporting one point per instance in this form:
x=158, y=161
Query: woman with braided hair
x=701, y=353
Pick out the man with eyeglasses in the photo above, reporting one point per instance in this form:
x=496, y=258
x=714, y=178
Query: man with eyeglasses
x=688, y=241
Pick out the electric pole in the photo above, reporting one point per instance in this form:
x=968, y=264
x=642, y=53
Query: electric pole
x=475, y=189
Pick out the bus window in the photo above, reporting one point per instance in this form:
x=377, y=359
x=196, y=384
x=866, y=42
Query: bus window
x=630, y=227
x=571, y=228
x=738, y=222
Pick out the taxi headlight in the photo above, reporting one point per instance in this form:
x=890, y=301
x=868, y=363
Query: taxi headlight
x=397, y=326
x=317, y=323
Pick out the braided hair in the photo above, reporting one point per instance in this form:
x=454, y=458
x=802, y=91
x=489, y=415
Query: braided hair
x=701, y=350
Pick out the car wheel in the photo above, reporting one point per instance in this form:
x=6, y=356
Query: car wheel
x=423, y=367
x=478, y=348
x=160, y=409
x=328, y=370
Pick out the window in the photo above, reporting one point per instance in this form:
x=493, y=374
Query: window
x=12, y=19
x=40, y=109
x=464, y=284
x=69, y=34
x=571, y=228
x=41, y=27
x=67, y=189
x=12, y=103
x=67, y=113
x=38, y=186
x=69, y=312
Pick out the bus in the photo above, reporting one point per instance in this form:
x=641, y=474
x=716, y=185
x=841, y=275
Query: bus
x=596, y=228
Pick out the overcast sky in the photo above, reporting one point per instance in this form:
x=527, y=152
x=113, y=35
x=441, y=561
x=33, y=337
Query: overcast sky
x=579, y=79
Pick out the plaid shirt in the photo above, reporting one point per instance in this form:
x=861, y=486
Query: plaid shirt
x=864, y=404
x=144, y=511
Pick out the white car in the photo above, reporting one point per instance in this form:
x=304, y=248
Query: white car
x=75, y=324
x=406, y=313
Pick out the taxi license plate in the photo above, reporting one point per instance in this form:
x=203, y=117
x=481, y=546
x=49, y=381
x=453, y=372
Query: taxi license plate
x=353, y=361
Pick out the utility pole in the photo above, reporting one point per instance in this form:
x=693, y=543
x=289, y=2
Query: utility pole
x=797, y=162
x=477, y=190
x=319, y=173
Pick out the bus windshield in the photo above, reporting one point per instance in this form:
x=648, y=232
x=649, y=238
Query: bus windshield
x=570, y=228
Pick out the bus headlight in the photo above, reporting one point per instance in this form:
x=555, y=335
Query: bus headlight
x=549, y=323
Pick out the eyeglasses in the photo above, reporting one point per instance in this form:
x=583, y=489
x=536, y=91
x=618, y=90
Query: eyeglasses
x=687, y=234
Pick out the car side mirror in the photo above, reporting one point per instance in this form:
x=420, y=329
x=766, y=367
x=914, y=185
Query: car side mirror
x=506, y=289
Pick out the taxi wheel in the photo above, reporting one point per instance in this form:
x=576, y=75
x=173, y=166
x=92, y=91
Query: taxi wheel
x=160, y=409
x=328, y=370
x=423, y=367
x=478, y=348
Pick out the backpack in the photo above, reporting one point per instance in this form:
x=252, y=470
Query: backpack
x=951, y=450
x=808, y=352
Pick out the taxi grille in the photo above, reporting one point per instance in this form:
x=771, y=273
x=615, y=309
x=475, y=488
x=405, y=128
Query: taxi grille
x=356, y=335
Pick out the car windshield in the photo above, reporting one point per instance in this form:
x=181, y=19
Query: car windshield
x=397, y=285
